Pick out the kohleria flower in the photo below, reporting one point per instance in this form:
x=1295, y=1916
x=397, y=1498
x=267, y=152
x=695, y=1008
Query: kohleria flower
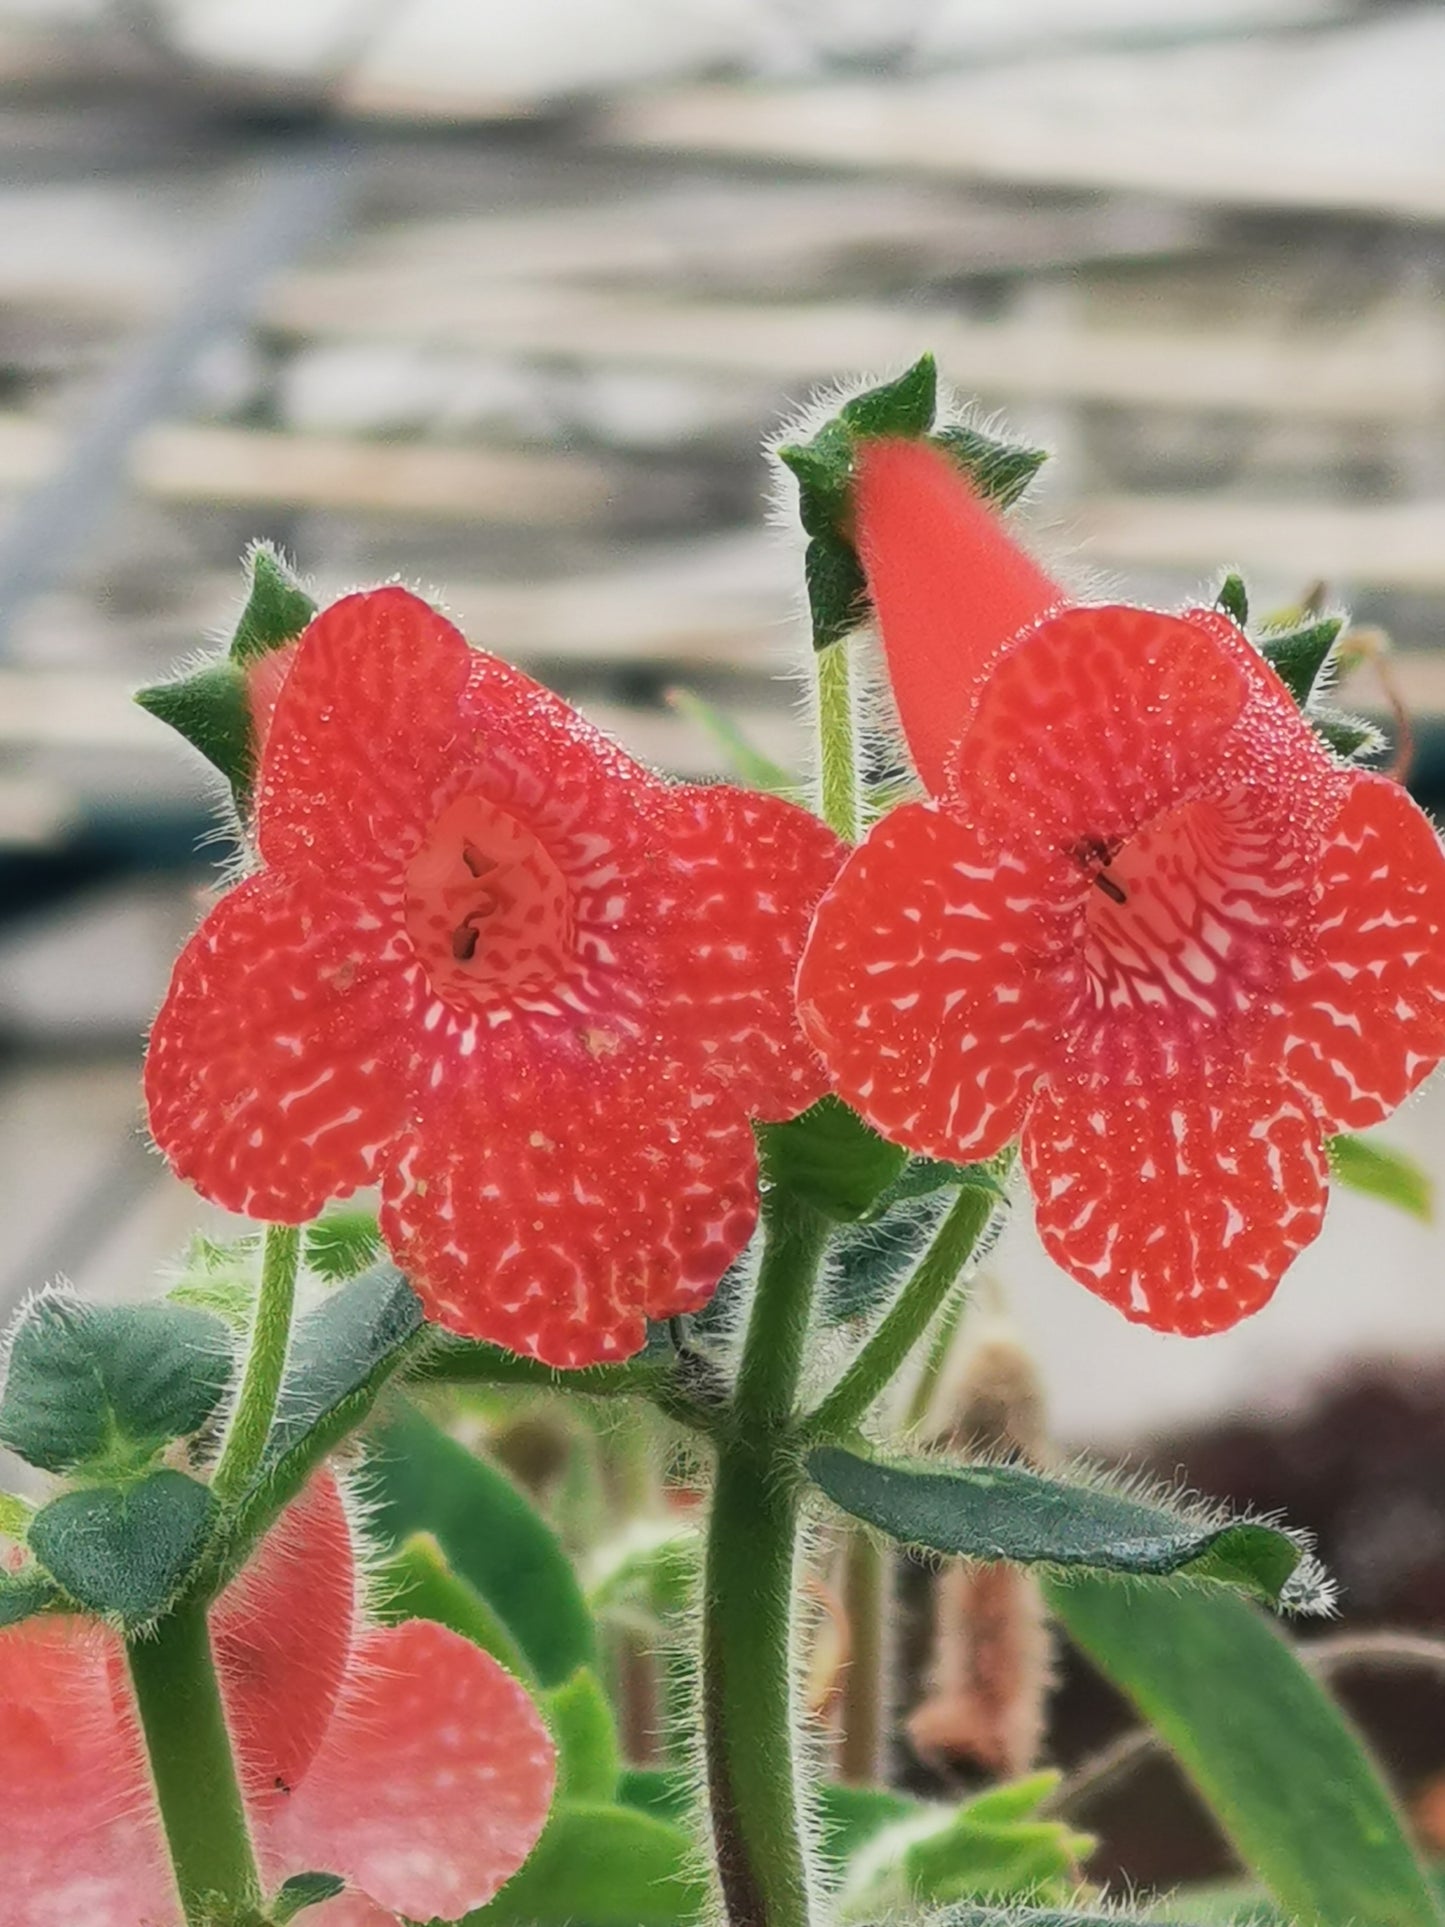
x=402, y=1758
x=491, y=963
x=1145, y=918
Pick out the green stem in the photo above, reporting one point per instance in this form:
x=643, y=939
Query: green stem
x=909, y=1317
x=837, y=749
x=748, y=1593
x=193, y=1767
x=460, y=1361
x=265, y=1362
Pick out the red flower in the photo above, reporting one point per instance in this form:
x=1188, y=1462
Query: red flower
x=403, y=1758
x=534, y=991
x=1145, y=918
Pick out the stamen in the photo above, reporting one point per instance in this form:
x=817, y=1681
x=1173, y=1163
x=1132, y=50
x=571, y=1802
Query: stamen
x=1111, y=889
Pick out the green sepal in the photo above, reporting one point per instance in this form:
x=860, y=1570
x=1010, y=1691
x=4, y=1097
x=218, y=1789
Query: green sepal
x=837, y=588
x=1008, y=1513
x=276, y=611
x=25, y=1593
x=589, y=1759
x=1299, y=655
x=1233, y=599
x=830, y=1157
x=1348, y=736
x=342, y=1243
x=417, y=1582
x=301, y=1891
x=125, y=1552
x=1380, y=1171
x=904, y=406
x=102, y=1388
x=211, y=708
x=1000, y=471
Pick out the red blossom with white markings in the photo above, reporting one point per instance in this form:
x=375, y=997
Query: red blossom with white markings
x=402, y=1758
x=1145, y=919
x=496, y=967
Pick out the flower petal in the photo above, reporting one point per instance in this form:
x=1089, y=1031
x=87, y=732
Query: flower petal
x=552, y=1209
x=281, y=1633
x=951, y=588
x=274, y=1073
x=1363, y=1020
x=745, y=875
x=1180, y=1207
x=351, y=1909
x=1097, y=722
x=937, y=978
x=432, y=1785
x=81, y=1841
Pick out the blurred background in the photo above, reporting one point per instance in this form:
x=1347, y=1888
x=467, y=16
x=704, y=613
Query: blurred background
x=503, y=298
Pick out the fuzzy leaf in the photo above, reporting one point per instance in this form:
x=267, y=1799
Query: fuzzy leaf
x=106, y=1386
x=985, y=1916
x=211, y=708
x=999, y=471
x=23, y=1594
x=1348, y=736
x=301, y=1891
x=1233, y=599
x=1380, y=1171
x=426, y=1482
x=589, y=1760
x=124, y=1552
x=1269, y=1751
x=1005, y=1512
x=743, y=759
x=832, y=1158
x=606, y=1865
x=837, y=589
x=1298, y=655
x=342, y=1243
x=868, y=1260
x=904, y=406
x=276, y=611
x=417, y=1583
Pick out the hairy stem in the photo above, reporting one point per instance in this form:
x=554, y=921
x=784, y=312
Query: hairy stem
x=908, y=1318
x=193, y=1768
x=748, y=1594
x=837, y=746
x=265, y=1362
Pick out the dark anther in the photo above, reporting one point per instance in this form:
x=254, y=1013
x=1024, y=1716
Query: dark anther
x=1111, y=889
x=464, y=941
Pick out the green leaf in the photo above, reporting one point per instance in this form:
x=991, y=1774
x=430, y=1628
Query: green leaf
x=276, y=611
x=1271, y=1754
x=837, y=589
x=222, y=1277
x=589, y=1760
x=868, y=1260
x=426, y=1482
x=999, y=471
x=106, y=1386
x=832, y=1158
x=1298, y=655
x=23, y=1594
x=1233, y=599
x=653, y=1565
x=1348, y=736
x=1005, y=1512
x=1380, y=1171
x=746, y=762
x=417, y=1583
x=342, y=1243
x=608, y=1866
x=124, y=1552
x=211, y=708
x=904, y=406
x=301, y=1891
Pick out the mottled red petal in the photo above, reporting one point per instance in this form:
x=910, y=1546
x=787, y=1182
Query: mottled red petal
x=550, y=1209
x=950, y=586
x=1096, y=723
x=274, y=1076
x=1181, y=1207
x=1362, y=1019
x=80, y=1841
x=433, y=1782
x=281, y=1633
x=938, y=977
x=745, y=873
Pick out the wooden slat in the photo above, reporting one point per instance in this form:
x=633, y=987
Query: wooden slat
x=1045, y=359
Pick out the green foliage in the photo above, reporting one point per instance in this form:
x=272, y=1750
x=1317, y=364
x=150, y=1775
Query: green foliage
x=342, y=1243
x=221, y=1278
x=416, y=1582
x=1348, y=736
x=1269, y=1751
x=746, y=761
x=1299, y=654
x=1000, y=471
x=104, y=1387
x=1233, y=599
x=277, y=608
x=607, y=1866
x=831, y=1158
x=1006, y=1512
x=589, y=1759
x=124, y=1552
x=652, y=1567
x=868, y=1260
x=1382, y=1172
x=426, y=1482
x=301, y=1891
x=23, y=1594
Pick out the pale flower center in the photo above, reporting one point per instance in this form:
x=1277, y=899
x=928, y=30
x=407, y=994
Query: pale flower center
x=486, y=906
